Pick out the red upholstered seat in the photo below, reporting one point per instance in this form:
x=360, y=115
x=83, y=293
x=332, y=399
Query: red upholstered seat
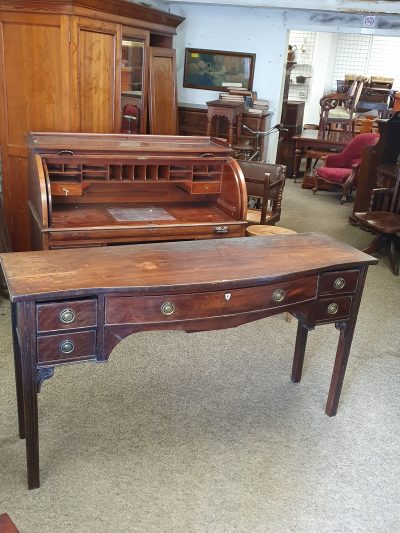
x=342, y=168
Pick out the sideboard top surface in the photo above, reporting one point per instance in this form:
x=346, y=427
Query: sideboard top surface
x=174, y=266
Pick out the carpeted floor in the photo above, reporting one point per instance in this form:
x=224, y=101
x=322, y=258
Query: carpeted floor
x=206, y=433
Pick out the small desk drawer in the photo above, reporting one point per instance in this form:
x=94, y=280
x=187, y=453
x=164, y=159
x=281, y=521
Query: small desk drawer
x=333, y=309
x=66, y=347
x=71, y=314
x=173, y=307
x=338, y=282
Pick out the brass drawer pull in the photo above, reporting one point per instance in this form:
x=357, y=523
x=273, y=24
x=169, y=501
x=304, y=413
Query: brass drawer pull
x=67, y=347
x=278, y=295
x=67, y=316
x=339, y=283
x=333, y=309
x=167, y=308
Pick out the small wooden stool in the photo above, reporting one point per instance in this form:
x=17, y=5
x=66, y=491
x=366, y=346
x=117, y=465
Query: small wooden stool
x=263, y=229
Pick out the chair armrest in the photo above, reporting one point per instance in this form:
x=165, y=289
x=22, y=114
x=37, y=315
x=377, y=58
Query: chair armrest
x=330, y=101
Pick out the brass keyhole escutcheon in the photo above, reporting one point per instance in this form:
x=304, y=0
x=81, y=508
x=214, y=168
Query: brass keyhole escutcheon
x=67, y=316
x=167, y=308
x=339, y=283
x=333, y=309
x=67, y=346
x=278, y=295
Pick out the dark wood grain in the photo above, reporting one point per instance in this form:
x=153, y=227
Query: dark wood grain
x=155, y=267
x=190, y=286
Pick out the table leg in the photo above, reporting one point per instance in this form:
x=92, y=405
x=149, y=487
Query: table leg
x=26, y=328
x=230, y=132
x=296, y=162
x=343, y=349
x=209, y=126
x=18, y=373
x=299, y=350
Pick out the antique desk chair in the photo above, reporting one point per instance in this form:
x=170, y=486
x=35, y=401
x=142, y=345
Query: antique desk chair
x=264, y=181
x=385, y=223
x=342, y=168
x=338, y=108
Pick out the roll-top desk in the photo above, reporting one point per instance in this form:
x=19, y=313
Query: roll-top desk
x=77, y=304
x=92, y=189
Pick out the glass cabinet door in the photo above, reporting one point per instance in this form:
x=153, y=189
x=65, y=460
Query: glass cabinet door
x=133, y=85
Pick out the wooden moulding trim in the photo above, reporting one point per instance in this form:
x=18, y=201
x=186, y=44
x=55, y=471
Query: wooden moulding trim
x=117, y=7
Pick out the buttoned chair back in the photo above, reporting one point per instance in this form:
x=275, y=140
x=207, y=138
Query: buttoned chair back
x=341, y=169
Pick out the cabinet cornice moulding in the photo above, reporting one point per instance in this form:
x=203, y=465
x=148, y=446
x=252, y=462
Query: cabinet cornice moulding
x=118, y=7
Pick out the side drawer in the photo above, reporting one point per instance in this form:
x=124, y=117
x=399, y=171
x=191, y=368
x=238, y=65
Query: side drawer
x=71, y=314
x=338, y=282
x=173, y=307
x=66, y=347
x=333, y=309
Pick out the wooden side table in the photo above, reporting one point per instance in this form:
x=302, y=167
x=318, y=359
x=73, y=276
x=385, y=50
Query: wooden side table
x=231, y=111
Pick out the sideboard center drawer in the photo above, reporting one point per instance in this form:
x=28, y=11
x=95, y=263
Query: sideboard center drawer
x=71, y=314
x=173, y=307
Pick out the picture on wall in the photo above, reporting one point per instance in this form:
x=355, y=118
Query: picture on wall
x=217, y=70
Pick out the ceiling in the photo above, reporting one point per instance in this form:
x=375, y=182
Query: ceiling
x=347, y=6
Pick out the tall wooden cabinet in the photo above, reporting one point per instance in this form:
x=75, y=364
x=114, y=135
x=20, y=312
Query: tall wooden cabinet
x=63, y=67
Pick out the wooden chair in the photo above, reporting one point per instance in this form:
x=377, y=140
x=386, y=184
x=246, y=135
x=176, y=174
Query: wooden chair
x=341, y=169
x=339, y=108
x=264, y=181
x=385, y=223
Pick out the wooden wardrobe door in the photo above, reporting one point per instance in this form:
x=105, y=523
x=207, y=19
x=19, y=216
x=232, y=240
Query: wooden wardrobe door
x=95, y=61
x=34, y=71
x=163, y=108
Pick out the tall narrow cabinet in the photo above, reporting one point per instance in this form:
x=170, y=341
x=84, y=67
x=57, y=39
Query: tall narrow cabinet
x=70, y=65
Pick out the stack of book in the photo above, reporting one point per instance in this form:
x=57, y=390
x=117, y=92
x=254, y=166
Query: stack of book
x=235, y=94
x=259, y=106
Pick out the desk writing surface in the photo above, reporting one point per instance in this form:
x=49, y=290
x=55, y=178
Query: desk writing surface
x=188, y=265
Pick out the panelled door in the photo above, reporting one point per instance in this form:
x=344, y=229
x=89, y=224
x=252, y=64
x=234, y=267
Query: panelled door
x=33, y=98
x=163, y=108
x=95, y=57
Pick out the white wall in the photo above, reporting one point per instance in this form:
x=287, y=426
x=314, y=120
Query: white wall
x=262, y=31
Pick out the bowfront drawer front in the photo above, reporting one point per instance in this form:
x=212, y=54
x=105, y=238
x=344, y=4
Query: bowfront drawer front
x=71, y=314
x=333, y=309
x=66, y=347
x=338, y=282
x=170, y=307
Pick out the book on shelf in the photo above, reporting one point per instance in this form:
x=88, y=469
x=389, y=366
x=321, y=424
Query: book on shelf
x=260, y=101
x=254, y=111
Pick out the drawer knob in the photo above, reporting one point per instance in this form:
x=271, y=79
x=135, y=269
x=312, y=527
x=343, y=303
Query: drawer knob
x=67, y=316
x=332, y=309
x=167, y=308
x=278, y=295
x=339, y=283
x=66, y=346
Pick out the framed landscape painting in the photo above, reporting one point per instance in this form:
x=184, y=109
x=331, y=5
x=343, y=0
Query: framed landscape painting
x=217, y=70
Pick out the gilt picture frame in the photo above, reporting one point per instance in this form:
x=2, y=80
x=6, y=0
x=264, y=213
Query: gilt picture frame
x=216, y=70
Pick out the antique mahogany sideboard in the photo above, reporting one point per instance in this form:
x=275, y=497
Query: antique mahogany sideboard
x=91, y=189
x=77, y=304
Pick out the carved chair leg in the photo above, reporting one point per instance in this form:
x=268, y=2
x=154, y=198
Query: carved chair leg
x=376, y=244
x=393, y=255
x=347, y=186
x=316, y=184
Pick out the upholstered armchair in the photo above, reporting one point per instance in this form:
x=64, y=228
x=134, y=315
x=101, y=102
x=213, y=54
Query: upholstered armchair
x=342, y=169
x=339, y=108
